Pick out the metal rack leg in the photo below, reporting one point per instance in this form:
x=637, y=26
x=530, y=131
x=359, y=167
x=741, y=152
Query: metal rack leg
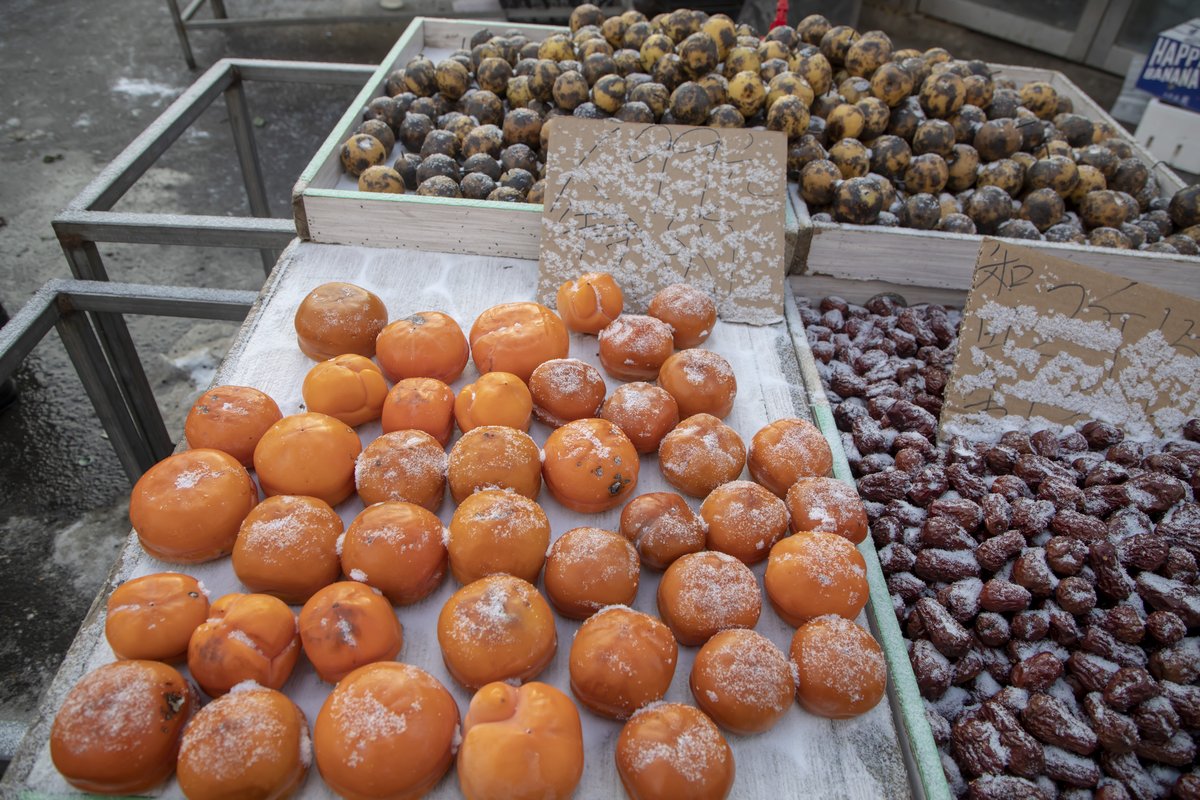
x=218, y=8
x=247, y=152
x=87, y=356
x=122, y=356
x=181, y=32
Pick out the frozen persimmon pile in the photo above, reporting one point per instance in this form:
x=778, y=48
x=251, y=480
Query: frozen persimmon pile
x=335, y=596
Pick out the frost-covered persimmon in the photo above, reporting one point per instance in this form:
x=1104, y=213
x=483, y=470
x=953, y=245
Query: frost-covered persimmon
x=566, y=389
x=645, y=412
x=346, y=625
x=231, y=419
x=247, y=637
x=840, y=668
x=634, y=347
x=494, y=457
x=287, y=547
x=428, y=344
x=690, y=312
x=786, y=450
x=337, y=318
x=188, y=507
x=152, y=617
x=397, y=548
x=590, y=465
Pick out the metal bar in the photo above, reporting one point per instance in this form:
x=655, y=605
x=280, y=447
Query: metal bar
x=174, y=229
x=191, y=9
x=23, y=331
x=259, y=69
x=123, y=171
x=181, y=32
x=85, y=352
x=335, y=19
x=162, y=301
x=122, y=355
x=247, y=153
x=218, y=8
x=1086, y=28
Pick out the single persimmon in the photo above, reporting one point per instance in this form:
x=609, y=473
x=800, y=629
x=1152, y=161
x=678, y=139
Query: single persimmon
x=119, y=728
x=496, y=398
x=566, y=389
x=690, y=312
x=349, y=388
x=397, y=548
x=337, y=318
x=590, y=466
x=590, y=302
x=188, y=507
x=247, y=637
x=497, y=531
x=287, y=547
x=152, y=617
x=421, y=404
x=308, y=454
x=839, y=668
x=494, y=457
x=701, y=382
x=345, y=625
x=827, y=504
x=428, y=344
x=405, y=466
x=813, y=573
x=645, y=412
x=516, y=337
x=785, y=451
x=634, y=347
x=231, y=419
x=700, y=454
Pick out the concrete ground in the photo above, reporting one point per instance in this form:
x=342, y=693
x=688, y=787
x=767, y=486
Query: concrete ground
x=82, y=79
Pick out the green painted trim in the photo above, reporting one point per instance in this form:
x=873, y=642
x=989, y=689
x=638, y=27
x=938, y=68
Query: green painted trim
x=334, y=140
x=450, y=202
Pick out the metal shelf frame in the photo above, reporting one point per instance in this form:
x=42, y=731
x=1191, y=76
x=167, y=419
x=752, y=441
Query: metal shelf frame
x=140, y=435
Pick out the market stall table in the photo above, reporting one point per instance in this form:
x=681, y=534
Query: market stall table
x=803, y=756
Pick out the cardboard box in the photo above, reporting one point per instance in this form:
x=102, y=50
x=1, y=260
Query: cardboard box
x=1172, y=69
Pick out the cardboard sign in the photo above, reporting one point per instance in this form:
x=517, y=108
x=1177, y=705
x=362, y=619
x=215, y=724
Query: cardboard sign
x=660, y=204
x=1045, y=341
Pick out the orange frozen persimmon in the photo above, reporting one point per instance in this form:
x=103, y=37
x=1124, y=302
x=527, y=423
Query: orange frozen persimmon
x=566, y=389
x=252, y=742
x=409, y=466
x=118, y=731
x=590, y=302
x=744, y=520
x=827, y=504
x=287, y=547
x=590, y=466
x=702, y=594
x=700, y=454
x=152, y=617
x=308, y=454
x=495, y=629
x=785, y=451
x=337, y=318
x=496, y=531
x=247, y=637
x=840, y=668
x=590, y=568
x=701, y=382
x=231, y=419
x=621, y=660
x=674, y=750
x=690, y=312
x=743, y=681
x=634, y=347
x=345, y=625
x=494, y=457
x=516, y=337
x=349, y=388
x=662, y=527
x=422, y=404
x=812, y=573
x=496, y=398
x=645, y=412
x=397, y=548
x=428, y=344
x=188, y=507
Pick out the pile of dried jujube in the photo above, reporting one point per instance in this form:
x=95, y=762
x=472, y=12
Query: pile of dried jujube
x=1047, y=582
x=877, y=135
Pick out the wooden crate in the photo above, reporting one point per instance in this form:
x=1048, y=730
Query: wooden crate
x=888, y=752
x=328, y=207
x=944, y=261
